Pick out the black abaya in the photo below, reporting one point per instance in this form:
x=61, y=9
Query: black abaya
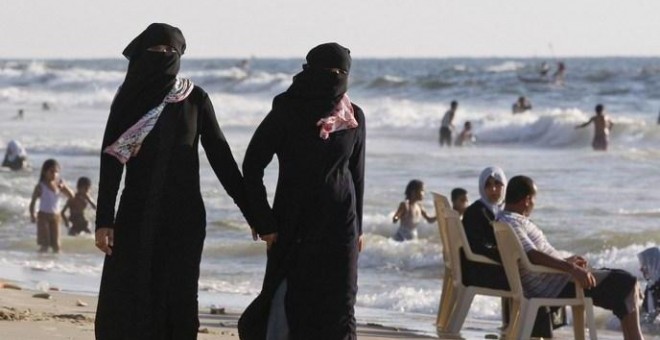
x=149, y=284
x=317, y=213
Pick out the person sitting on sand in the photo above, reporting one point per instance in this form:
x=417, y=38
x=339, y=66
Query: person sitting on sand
x=612, y=289
x=522, y=105
x=602, y=127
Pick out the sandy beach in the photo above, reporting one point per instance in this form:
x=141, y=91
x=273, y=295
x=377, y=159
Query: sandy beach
x=29, y=314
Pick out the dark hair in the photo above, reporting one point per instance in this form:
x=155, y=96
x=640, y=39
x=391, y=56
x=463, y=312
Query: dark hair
x=84, y=182
x=599, y=108
x=518, y=188
x=457, y=192
x=454, y=103
x=413, y=186
x=48, y=164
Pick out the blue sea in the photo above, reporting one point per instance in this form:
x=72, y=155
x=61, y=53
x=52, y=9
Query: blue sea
x=605, y=205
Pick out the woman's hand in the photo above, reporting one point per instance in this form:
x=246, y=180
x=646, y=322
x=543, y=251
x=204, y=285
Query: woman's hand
x=105, y=239
x=270, y=239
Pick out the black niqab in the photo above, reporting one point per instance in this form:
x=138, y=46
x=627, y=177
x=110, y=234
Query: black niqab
x=149, y=78
x=315, y=82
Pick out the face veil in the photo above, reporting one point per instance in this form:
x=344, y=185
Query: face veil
x=149, y=78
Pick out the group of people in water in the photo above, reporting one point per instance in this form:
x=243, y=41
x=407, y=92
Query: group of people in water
x=602, y=125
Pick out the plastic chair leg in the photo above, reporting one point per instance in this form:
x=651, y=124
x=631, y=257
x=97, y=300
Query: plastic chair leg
x=446, y=302
x=578, y=322
x=528, y=316
x=462, y=305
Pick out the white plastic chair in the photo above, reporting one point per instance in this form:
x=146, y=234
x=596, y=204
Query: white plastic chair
x=456, y=298
x=524, y=309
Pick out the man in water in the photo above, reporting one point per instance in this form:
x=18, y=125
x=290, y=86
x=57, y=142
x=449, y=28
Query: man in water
x=559, y=74
x=446, y=126
x=602, y=127
x=521, y=105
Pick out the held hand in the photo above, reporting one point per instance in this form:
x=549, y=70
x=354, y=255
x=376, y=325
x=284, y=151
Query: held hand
x=578, y=261
x=360, y=244
x=583, y=277
x=270, y=239
x=105, y=239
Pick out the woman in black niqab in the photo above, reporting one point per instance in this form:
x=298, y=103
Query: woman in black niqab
x=153, y=243
x=149, y=78
x=314, y=227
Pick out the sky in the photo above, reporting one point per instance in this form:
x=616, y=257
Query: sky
x=370, y=28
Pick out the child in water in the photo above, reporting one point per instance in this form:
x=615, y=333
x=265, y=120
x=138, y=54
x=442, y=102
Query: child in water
x=76, y=206
x=410, y=212
x=47, y=191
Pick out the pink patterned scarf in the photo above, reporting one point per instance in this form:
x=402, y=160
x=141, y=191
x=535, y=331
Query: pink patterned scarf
x=128, y=144
x=341, y=118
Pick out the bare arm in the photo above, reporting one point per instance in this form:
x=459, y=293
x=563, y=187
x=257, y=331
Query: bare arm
x=399, y=212
x=65, y=189
x=579, y=274
x=90, y=201
x=62, y=213
x=429, y=219
x=585, y=124
x=35, y=195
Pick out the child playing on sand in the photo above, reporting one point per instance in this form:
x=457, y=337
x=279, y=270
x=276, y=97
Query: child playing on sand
x=459, y=200
x=410, y=212
x=47, y=191
x=76, y=206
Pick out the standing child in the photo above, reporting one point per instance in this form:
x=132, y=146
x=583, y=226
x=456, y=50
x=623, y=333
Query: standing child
x=76, y=206
x=411, y=211
x=47, y=191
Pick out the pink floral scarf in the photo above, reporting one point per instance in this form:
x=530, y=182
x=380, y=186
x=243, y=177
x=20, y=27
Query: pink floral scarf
x=128, y=144
x=341, y=118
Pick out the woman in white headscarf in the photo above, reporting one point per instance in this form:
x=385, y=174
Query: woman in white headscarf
x=16, y=156
x=477, y=218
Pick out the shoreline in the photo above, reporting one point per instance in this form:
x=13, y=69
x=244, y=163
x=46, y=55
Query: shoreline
x=55, y=314
x=32, y=314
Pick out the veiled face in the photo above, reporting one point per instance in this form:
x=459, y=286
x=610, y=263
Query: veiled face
x=163, y=49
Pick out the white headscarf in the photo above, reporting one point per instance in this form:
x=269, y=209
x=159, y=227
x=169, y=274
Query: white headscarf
x=498, y=174
x=15, y=150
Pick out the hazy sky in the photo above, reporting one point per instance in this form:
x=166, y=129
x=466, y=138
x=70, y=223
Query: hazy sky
x=370, y=28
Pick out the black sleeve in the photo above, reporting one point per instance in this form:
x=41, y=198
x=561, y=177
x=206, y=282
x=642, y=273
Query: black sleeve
x=110, y=174
x=356, y=164
x=263, y=146
x=479, y=231
x=219, y=155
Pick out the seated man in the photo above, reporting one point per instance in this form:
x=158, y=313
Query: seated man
x=480, y=235
x=612, y=289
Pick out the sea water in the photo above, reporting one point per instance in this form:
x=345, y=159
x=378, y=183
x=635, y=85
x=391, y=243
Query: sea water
x=605, y=205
